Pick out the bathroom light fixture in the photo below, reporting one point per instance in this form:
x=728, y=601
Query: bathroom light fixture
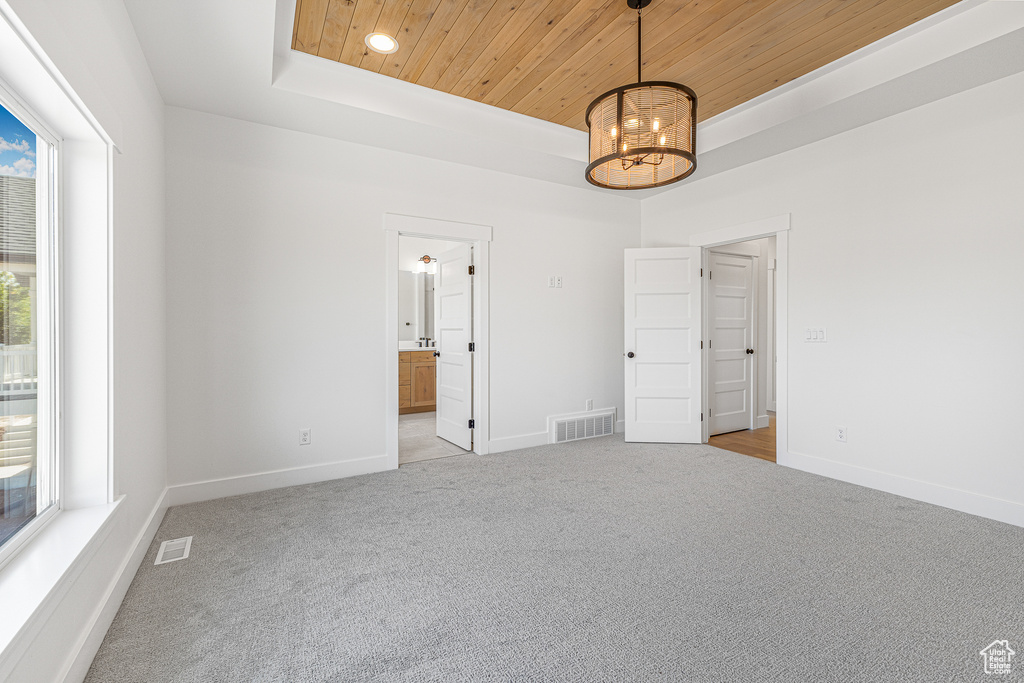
x=642, y=135
x=423, y=264
x=381, y=43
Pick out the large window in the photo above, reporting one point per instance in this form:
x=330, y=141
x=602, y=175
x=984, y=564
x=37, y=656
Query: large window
x=28, y=360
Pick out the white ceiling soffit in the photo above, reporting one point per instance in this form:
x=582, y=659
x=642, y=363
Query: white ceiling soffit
x=215, y=56
x=967, y=45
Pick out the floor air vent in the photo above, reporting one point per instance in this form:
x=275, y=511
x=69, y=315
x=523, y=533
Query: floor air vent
x=576, y=428
x=172, y=551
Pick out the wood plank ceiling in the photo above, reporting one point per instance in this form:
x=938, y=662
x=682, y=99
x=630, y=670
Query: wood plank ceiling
x=549, y=59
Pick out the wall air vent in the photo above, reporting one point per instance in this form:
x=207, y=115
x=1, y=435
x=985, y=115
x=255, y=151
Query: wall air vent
x=587, y=426
x=172, y=551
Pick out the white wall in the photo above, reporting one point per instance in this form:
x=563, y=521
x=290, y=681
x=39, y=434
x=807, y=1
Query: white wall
x=94, y=47
x=906, y=242
x=259, y=348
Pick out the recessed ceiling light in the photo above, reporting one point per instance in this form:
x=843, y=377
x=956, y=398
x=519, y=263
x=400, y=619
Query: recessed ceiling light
x=382, y=43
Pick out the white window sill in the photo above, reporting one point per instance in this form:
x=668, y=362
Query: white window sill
x=34, y=582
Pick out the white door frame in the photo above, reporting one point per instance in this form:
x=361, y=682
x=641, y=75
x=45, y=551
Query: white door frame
x=777, y=226
x=480, y=237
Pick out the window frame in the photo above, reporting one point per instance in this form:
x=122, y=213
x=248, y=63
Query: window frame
x=49, y=316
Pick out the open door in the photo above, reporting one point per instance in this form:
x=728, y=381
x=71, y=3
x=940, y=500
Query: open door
x=663, y=345
x=453, y=330
x=731, y=303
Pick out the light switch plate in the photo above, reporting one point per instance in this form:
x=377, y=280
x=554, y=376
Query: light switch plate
x=815, y=335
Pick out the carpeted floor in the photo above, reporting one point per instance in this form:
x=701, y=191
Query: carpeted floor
x=595, y=561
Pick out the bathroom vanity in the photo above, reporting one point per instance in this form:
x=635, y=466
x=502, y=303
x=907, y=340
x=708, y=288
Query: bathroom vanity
x=416, y=381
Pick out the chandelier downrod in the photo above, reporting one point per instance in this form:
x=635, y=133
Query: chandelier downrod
x=639, y=39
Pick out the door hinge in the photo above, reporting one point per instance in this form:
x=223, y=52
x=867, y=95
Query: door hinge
x=702, y=343
x=472, y=270
x=709, y=343
x=472, y=347
x=472, y=424
x=702, y=417
x=709, y=273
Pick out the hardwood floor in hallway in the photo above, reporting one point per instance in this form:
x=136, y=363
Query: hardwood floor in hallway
x=759, y=443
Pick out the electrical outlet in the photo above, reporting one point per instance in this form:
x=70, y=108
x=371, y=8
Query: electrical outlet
x=590, y=404
x=305, y=437
x=558, y=281
x=841, y=434
x=551, y=281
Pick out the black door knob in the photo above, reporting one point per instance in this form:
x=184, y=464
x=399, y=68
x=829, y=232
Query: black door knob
x=436, y=354
x=750, y=350
x=629, y=355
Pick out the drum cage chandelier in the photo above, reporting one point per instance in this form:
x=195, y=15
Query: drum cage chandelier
x=642, y=135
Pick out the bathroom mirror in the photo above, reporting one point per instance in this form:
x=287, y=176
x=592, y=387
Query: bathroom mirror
x=415, y=306
x=416, y=279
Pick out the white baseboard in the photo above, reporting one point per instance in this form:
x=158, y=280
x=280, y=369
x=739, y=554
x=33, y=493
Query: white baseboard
x=620, y=426
x=181, y=494
x=761, y=422
x=514, y=443
x=103, y=617
x=936, y=494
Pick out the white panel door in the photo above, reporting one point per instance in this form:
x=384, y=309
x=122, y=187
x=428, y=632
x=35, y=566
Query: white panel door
x=453, y=330
x=731, y=318
x=662, y=345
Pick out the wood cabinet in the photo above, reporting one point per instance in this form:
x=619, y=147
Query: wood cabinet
x=416, y=382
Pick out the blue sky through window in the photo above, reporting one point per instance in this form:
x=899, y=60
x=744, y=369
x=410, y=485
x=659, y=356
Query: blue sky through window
x=17, y=147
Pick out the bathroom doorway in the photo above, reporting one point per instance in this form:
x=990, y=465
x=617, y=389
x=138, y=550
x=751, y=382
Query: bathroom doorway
x=461, y=401
x=432, y=271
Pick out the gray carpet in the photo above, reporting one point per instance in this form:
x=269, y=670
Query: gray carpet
x=596, y=561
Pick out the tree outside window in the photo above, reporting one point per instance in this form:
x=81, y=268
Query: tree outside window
x=15, y=311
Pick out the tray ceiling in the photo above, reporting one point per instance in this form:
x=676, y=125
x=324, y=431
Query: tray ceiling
x=550, y=59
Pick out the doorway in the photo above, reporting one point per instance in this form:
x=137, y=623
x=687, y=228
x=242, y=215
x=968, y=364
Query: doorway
x=437, y=339
x=432, y=420
x=665, y=351
x=741, y=359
